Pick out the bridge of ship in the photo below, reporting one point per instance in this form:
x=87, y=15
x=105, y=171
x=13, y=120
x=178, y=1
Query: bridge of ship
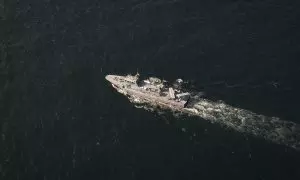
x=155, y=85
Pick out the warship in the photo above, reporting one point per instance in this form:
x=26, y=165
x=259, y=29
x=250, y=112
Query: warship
x=152, y=93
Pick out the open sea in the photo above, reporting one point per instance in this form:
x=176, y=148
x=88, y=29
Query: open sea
x=61, y=120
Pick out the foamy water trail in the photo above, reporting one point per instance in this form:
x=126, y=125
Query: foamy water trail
x=270, y=128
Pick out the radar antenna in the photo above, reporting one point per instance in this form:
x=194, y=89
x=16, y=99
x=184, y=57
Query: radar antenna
x=137, y=73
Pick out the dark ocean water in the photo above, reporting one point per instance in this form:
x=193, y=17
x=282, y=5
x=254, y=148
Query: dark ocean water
x=60, y=120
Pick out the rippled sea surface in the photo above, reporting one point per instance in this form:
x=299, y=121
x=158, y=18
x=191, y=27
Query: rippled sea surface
x=60, y=119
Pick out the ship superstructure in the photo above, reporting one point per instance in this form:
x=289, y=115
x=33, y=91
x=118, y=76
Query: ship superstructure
x=152, y=91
